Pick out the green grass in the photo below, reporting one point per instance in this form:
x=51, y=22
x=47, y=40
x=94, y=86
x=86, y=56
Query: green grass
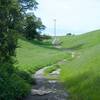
x=34, y=55
x=81, y=76
x=81, y=41
x=51, y=68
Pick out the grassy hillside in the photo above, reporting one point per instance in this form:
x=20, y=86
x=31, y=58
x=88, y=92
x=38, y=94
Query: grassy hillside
x=81, y=76
x=34, y=55
x=82, y=41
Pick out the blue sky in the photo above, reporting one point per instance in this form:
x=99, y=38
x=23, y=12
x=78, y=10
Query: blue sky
x=75, y=16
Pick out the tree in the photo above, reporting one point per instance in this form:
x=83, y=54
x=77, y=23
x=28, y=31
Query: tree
x=33, y=27
x=11, y=13
x=9, y=19
x=28, y=5
x=12, y=86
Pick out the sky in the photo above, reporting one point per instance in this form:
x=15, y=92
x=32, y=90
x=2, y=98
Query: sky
x=72, y=16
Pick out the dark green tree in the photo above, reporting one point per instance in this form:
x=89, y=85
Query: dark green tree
x=28, y=5
x=11, y=14
x=12, y=86
x=33, y=27
x=9, y=19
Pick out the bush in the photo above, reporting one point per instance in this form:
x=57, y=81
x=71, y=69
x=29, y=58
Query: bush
x=26, y=76
x=45, y=37
x=12, y=87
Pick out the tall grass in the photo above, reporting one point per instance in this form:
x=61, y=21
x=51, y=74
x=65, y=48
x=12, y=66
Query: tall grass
x=81, y=76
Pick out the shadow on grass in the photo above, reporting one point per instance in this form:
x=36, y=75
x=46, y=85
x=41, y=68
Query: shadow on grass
x=44, y=44
x=76, y=47
x=84, y=87
x=48, y=45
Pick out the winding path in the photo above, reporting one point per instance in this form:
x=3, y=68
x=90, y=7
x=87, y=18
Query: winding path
x=46, y=89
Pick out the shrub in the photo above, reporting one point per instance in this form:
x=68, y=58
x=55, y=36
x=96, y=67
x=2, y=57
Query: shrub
x=12, y=87
x=26, y=76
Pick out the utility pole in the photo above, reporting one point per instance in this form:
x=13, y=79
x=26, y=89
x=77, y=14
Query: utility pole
x=54, y=37
x=55, y=28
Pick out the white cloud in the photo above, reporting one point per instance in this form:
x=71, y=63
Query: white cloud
x=73, y=15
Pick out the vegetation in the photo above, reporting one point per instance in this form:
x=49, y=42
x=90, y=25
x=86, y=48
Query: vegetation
x=51, y=69
x=32, y=55
x=81, y=75
x=13, y=83
x=33, y=27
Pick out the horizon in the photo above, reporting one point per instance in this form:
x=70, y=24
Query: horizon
x=73, y=16
x=64, y=34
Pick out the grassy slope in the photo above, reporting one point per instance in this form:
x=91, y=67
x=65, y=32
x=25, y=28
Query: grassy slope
x=81, y=76
x=87, y=40
x=34, y=55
